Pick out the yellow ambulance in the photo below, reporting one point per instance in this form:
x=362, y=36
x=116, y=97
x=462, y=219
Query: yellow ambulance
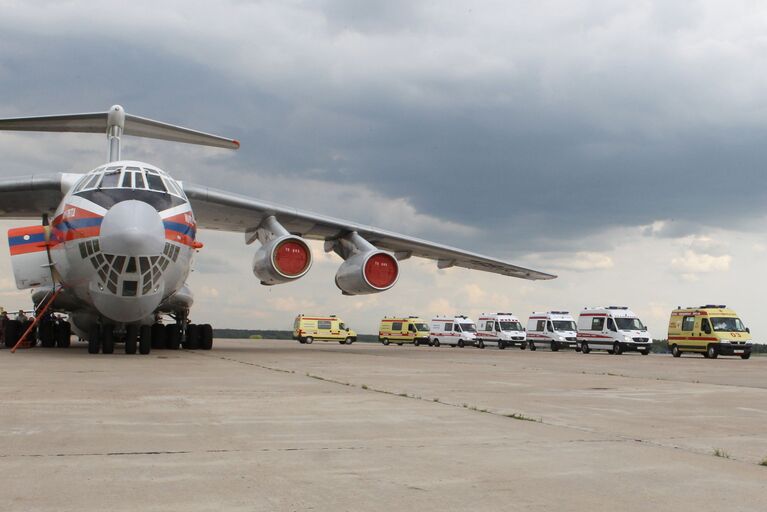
x=403, y=330
x=710, y=330
x=307, y=328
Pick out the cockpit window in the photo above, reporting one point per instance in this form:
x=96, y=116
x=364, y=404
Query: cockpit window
x=154, y=181
x=111, y=179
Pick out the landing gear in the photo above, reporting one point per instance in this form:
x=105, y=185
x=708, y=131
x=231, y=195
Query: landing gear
x=131, y=339
x=158, y=336
x=192, y=341
x=94, y=340
x=206, y=337
x=172, y=336
x=107, y=339
x=145, y=339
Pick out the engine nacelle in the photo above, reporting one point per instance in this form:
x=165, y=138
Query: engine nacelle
x=282, y=259
x=367, y=272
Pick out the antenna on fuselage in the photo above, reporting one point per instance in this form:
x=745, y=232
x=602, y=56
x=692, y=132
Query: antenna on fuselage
x=116, y=123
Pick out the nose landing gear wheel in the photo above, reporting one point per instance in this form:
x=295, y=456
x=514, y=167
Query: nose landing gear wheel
x=145, y=339
x=131, y=339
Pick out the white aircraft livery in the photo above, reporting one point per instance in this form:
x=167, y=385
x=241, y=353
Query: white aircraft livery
x=113, y=247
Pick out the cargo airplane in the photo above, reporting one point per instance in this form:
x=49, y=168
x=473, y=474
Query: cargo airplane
x=113, y=246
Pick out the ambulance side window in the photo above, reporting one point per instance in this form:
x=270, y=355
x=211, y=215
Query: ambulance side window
x=448, y=327
x=539, y=325
x=597, y=324
x=456, y=328
x=323, y=324
x=611, y=325
x=396, y=326
x=688, y=323
x=411, y=327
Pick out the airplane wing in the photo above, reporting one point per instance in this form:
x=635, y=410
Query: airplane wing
x=220, y=210
x=31, y=196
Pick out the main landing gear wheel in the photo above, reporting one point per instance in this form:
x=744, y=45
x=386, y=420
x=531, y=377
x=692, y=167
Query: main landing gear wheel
x=131, y=339
x=158, y=336
x=711, y=351
x=63, y=332
x=206, y=337
x=94, y=340
x=192, y=340
x=145, y=339
x=675, y=351
x=172, y=336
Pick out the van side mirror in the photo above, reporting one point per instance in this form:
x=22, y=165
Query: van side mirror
x=748, y=330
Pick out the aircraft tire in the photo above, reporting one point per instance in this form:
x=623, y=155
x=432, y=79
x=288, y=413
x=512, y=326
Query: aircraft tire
x=131, y=339
x=107, y=340
x=192, y=341
x=47, y=334
x=172, y=337
x=206, y=337
x=675, y=350
x=94, y=340
x=63, y=332
x=145, y=339
x=12, y=333
x=158, y=336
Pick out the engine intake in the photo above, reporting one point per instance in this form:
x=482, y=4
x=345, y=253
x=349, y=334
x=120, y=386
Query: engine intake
x=367, y=272
x=282, y=259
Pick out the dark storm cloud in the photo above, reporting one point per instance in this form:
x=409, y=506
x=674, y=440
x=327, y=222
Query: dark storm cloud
x=538, y=141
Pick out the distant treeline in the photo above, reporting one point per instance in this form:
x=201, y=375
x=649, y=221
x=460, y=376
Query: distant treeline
x=658, y=346
x=273, y=335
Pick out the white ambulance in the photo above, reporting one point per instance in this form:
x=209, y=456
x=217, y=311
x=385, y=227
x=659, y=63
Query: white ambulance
x=552, y=329
x=456, y=331
x=502, y=329
x=615, y=329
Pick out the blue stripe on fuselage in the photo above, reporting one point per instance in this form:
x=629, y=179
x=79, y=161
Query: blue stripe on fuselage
x=184, y=229
x=33, y=238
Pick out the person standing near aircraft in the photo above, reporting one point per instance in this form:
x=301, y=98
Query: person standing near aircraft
x=3, y=322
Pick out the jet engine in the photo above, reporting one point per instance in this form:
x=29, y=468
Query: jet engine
x=365, y=269
x=282, y=257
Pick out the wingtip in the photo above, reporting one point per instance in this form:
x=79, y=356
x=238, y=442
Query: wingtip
x=236, y=144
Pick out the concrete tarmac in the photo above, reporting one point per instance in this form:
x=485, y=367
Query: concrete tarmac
x=275, y=425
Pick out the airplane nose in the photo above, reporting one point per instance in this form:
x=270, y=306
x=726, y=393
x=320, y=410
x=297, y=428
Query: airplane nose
x=132, y=228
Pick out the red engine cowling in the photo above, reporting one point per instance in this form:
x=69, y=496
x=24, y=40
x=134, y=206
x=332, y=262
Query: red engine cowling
x=369, y=272
x=282, y=260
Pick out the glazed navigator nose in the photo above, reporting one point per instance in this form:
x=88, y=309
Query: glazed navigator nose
x=132, y=228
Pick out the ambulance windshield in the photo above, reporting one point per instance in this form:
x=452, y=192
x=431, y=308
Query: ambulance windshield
x=468, y=328
x=511, y=326
x=564, y=325
x=419, y=326
x=728, y=324
x=630, y=324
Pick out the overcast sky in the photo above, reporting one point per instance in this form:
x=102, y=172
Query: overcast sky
x=620, y=145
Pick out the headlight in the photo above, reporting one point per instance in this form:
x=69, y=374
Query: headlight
x=560, y=338
x=627, y=338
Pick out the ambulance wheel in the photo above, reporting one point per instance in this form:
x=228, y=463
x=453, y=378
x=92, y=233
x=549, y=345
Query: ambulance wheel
x=399, y=344
x=460, y=344
x=481, y=344
x=435, y=343
x=12, y=333
x=711, y=351
x=131, y=339
x=554, y=346
x=341, y=342
x=308, y=340
x=745, y=355
x=94, y=340
x=206, y=337
x=501, y=345
x=107, y=340
x=585, y=348
x=532, y=347
x=145, y=339
x=385, y=341
x=416, y=342
x=523, y=345
x=617, y=350
x=172, y=336
x=577, y=348
x=644, y=352
x=675, y=350
x=46, y=333
x=158, y=336
x=63, y=334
